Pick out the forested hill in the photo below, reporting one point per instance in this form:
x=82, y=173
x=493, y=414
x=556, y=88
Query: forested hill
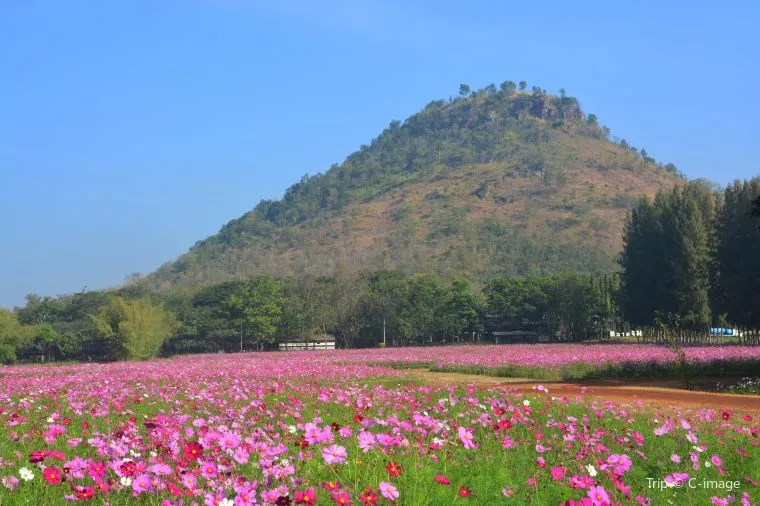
x=499, y=180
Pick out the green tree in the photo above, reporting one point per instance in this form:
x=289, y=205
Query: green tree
x=508, y=87
x=666, y=257
x=513, y=299
x=46, y=339
x=688, y=228
x=13, y=335
x=387, y=293
x=135, y=329
x=643, y=265
x=591, y=119
x=461, y=316
x=523, y=85
x=258, y=310
x=350, y=307
x=737, y=255
x=464, y=90
x=572, y=305
x=39, y=310
x=420, y=319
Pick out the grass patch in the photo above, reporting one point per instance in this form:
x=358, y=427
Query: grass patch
x=633, y=370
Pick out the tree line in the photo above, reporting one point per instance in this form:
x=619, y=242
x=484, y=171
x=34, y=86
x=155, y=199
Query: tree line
x=694, y=253
x=691, y=253
x=356, y=309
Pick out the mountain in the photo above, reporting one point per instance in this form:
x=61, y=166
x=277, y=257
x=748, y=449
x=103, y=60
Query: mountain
x=492, y=181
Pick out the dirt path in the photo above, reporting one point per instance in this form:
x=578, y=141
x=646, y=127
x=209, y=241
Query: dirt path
x=649, y=391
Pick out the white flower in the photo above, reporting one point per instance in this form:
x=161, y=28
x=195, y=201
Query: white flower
x=50, y=419
x=526, y=402
x=227, y=502
x=591, y=470
x=292, y=429
x=125, y=481
x=707, y=463
x=153, y=454
x=26, y=474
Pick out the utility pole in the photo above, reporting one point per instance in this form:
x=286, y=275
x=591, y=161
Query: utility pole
x=383, y=331
x=241, y=336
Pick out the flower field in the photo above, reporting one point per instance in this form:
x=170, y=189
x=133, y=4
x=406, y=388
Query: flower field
x=336, y=428
x=565, y=361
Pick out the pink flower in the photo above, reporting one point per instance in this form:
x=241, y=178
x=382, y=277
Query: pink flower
x=675, y=458
x=388, y=491
x=208, y=470
x=677, y=479
x=334, y=454
x=241, y=456
x=366, y=441
x=719, y=501
x=307, y=497
x=598, y=496
x=558, y=474
x=247, y=497
x=716, y=460
x=53, y=475
x=621, y=464
x=10, y=482
x=467, y=438
x=341, y=497
x=141, y=484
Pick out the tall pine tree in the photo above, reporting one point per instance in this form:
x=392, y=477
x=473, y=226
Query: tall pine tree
x=643, y=263
x=666, y=257
x=736, y=296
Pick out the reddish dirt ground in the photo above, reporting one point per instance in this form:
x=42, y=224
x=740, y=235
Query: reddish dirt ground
x=656, y=393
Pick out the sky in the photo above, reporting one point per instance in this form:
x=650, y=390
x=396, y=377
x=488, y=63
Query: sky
x=131, y=129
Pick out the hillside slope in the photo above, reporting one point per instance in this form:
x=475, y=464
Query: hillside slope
x=493, y=181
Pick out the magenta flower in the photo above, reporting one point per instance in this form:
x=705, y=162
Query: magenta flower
x=208, y=470
x=598, y=496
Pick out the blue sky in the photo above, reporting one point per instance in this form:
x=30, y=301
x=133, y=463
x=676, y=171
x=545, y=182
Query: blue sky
x=129, y=130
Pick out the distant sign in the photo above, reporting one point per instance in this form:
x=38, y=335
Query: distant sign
x=720, y=331
x=632, y=333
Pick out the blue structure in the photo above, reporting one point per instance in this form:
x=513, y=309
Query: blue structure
x=719, y=331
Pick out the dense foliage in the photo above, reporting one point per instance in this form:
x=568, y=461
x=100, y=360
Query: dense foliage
x=696, y=254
